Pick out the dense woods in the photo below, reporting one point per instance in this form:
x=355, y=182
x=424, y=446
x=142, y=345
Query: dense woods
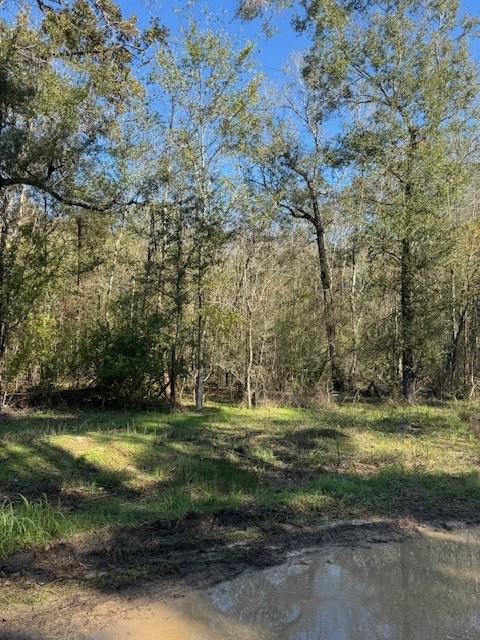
x=175, y=228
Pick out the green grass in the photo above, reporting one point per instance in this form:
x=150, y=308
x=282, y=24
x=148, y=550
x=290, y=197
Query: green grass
x=28, y=524
x=79, y=472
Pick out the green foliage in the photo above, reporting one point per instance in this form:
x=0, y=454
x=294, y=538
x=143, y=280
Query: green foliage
x=128, y=363
x=66, y=83
x=36, y=347
x=163, y=212
x=31, y=523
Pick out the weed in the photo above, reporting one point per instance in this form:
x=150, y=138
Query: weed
x=30, y=523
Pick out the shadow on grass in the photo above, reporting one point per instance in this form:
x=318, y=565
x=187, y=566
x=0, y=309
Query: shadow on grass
x=187, y=426
x=23, y=428
x=192, y=452
x=31, y=465
x=42, y=468
x=400, y=421
x=205, y=535
x=219, y=482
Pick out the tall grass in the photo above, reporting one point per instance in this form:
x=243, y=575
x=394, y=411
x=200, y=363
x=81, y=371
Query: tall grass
x=27, y=524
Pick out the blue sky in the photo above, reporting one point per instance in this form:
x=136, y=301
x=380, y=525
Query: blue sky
x=273, y=52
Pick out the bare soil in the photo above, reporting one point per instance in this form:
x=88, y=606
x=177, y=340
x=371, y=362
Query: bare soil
x=97, y=578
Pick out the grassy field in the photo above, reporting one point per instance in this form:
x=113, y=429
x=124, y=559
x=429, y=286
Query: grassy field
x=64, y=473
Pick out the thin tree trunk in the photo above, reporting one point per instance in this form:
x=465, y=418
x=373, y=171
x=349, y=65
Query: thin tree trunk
x=150, y=256
x=4, y=229
x=354, y=319
x=396, y=352
x=408, y=317
x=453, y=351
x=338, y=380
x=200, y=377
x=116, y=251
x=249, y=336
x=406, y=282
x=248, y=376
x=179, y=283
x=78, y=331
x=200, y=374
x=173, y=377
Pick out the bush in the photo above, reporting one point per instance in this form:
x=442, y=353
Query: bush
x=129, y=364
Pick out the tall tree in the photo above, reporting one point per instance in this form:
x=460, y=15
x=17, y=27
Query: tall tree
x=295, y=169
x=66, y=79
x=210, y=90
x=403, y=70
x=66, y=84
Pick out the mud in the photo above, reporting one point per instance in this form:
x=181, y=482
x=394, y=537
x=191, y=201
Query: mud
x=424, y=587
x=117, y=573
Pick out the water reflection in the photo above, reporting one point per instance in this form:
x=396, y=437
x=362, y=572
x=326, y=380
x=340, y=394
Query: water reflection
x=421, y=589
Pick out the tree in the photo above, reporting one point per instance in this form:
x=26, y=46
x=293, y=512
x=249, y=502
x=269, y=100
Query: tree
x=66, y=84
x=404, y=72
x=66, y=80
x=210, y=94
x=163, y=232
x=294, y=168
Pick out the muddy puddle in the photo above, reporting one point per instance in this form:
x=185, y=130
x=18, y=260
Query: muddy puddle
x=424, y=588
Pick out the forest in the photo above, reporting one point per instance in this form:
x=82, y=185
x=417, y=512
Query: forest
x=239, y=315
x=176, y=226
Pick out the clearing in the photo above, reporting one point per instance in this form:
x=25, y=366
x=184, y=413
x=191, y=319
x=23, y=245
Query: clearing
x=112, y=499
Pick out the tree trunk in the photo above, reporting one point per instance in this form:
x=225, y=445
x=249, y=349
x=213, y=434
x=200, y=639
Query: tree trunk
x=408, y=317
x=116, y=252
x=200, y=377
x=338, y=380
x=150, y=257
x=453, y=352
x=173, y=378
x=179, y=302
x=407, y=310
x=248, y=374
x=354, y=320
x=3, y=268
x=78, y=329
x=249, y=336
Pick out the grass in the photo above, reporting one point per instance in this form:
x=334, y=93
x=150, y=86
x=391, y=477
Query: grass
x=63, y=473
x=28, y=524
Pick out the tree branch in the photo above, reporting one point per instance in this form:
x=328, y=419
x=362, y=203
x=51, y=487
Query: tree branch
x=71, y=202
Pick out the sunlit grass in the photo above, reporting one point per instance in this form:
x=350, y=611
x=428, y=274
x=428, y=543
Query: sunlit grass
x=297, y=465
x=29, y=523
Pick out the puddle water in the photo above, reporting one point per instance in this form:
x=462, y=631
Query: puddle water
x=426, y=588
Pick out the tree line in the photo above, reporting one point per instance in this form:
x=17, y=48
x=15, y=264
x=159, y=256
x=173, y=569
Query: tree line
x=173, y=224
